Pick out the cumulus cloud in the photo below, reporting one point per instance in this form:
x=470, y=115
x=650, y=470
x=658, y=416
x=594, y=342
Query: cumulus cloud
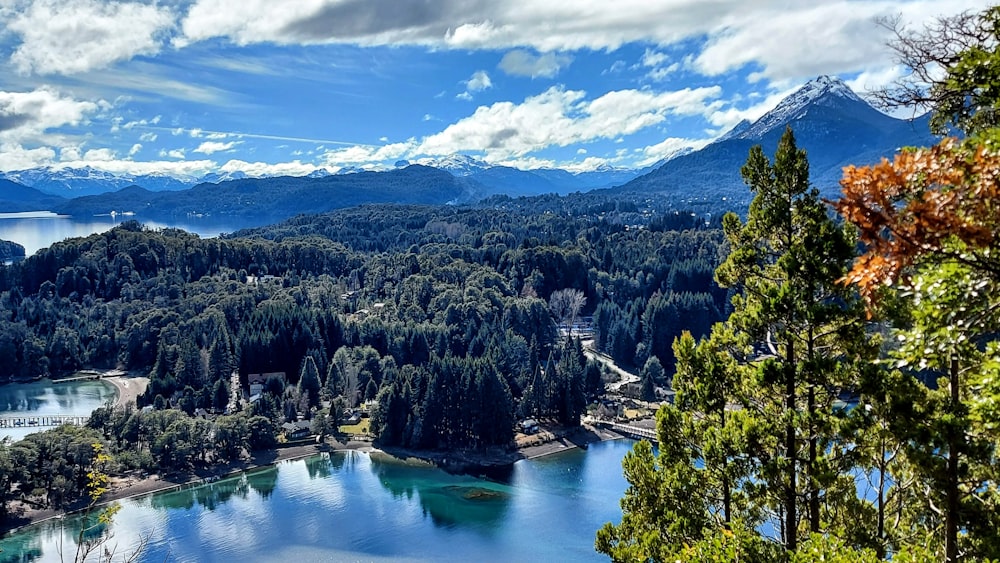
x=212, y=147
x=559, y=117
x=31, y=113
x=522, y=63
x=178, y=168
x=148, y=137
x=135, y=149
x=667, y=148
x=259, y=169
x=71, y=36
x=829, y=36
x=101, y=155
x=14, y=156
x=368, y=153
x=478, y=82
x=174, y=153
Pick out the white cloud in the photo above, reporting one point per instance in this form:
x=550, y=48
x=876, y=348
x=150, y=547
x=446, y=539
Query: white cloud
x=522, y=63
x=28, y=121
x=661, y=73
x=67, y=154
x=148, y=137
x=178, y=168
x=369, y=154
x=14, y=156
x=212, y=147
x=71, y=36
x=102, y=155
x=668, y=147
x=135, y=149
x=653, y=58
x=258, y=169
x=29, y=114
x=141, y=123
x=786, y=40
x=175, y=153
x=559, y=117
x=480, y=81
x=726, y=118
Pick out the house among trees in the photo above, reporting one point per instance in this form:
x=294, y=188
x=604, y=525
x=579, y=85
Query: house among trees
x=296, y=430
x=257, y=381
x=529, y=426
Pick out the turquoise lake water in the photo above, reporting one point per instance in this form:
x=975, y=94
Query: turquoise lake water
x=39, y=398
x=349, y=506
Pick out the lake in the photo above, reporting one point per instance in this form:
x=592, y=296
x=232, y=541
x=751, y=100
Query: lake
x=350, y=506
x=42, y=397
x=39, y=229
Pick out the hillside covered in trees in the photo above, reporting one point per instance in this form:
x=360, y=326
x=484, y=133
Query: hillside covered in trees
x=441, y=315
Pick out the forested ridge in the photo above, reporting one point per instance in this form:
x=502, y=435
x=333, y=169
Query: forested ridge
x=442, y=315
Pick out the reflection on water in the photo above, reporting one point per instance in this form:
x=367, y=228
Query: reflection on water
x=351, y=507
x=42, y=397
x=448, y=500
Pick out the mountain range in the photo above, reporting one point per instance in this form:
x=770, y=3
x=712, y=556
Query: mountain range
x=832, y=123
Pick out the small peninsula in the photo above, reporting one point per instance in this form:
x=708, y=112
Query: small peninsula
x=10, y=251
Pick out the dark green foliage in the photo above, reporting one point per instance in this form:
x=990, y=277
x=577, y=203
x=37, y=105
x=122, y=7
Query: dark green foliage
x=440, y=314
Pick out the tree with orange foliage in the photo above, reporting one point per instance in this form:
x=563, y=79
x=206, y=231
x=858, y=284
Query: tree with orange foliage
x=930, y=222
x=937, y=203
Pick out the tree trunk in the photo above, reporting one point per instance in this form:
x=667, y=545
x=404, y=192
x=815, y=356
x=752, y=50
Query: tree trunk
x=811, y=469
x=727, y=495
x=951, y=511
x=791, y=542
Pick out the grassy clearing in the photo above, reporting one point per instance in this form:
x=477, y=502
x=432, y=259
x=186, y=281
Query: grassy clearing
x=362, y=427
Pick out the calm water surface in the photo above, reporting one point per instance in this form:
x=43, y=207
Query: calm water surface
x=77, y=398
x=39, y=229
x=350, y=506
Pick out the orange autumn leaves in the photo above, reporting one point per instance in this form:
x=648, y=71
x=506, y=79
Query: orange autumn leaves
x=941, y=201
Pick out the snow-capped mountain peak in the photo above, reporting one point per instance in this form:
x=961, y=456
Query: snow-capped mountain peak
x=457, y=164
x=823, y=90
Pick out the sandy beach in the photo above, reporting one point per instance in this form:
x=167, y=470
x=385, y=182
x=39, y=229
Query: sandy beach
x=129, y=388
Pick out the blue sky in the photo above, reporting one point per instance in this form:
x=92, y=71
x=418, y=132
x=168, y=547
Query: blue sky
x=186, y=87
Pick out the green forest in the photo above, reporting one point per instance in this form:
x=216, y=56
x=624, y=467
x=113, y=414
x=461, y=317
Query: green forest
x=445, y=317
x=835, y=363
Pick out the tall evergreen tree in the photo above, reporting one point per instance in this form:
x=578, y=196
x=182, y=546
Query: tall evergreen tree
x=786, y=261
x=309, y=380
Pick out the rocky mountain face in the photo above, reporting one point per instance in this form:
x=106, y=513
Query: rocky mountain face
x=832, y=123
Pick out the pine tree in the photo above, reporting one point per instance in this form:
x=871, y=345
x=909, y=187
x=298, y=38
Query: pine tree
x=309, y=380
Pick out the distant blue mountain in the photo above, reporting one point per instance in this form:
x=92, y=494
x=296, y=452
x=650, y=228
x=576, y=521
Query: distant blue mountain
x=271, y=199
x=15, y=197
x=830, y=121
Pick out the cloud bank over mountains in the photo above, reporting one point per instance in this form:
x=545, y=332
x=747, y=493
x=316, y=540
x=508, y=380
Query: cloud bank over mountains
x=309, y=83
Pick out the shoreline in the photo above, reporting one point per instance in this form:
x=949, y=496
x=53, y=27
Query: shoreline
x=468, y=462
